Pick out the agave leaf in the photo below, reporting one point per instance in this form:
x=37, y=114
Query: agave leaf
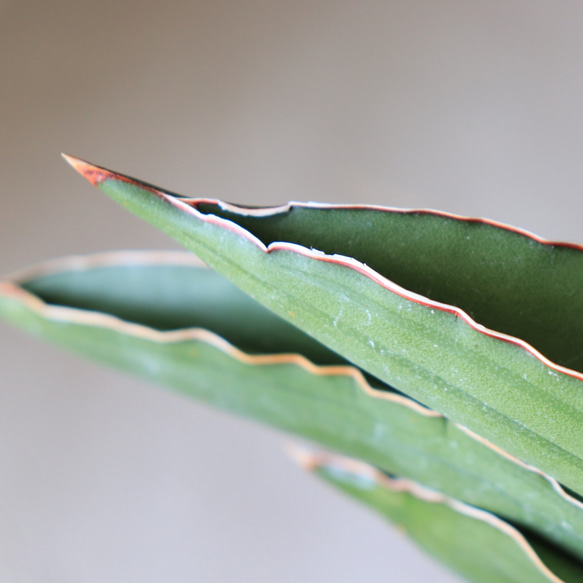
x=387, y=289
x=476, y=544
x=157, y=315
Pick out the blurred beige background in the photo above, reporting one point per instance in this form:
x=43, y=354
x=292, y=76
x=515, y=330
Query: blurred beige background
x=470, y=107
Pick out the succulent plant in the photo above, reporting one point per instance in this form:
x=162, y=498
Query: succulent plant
x=439, y=357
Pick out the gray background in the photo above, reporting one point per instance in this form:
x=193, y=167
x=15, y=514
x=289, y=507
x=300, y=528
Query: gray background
x=469, y=107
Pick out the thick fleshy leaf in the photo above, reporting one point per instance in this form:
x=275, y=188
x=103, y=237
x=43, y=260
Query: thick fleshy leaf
x=157, y=315
x=387, y=289
x=474, y=543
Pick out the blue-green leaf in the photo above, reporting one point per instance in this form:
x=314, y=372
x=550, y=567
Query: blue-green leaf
x=158, y=315
x=476, y=544
x=476, y=320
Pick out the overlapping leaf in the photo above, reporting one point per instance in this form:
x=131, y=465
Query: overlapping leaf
x=463, y=315
x=474, y=543
x=157, y=315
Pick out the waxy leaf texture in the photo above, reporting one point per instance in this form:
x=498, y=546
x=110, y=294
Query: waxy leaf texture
x=478, y=321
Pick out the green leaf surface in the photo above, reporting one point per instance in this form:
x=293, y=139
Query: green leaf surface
x=157, y=315
x=387, y=290
x=477, y=545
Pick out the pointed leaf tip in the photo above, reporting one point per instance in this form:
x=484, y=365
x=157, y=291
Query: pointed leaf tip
x=95, y=174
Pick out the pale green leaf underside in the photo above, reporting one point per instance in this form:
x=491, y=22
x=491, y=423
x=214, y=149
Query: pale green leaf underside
x=473, y=543
x=497, y=387
x=163, y=298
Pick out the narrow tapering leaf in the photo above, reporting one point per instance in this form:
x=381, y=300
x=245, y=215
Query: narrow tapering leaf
x=157, y=315
x=476, y=544
x=463, y=315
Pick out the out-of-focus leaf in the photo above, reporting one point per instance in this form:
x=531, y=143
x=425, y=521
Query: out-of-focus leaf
x=474, y=543
x=157, y=315
x=387, y=290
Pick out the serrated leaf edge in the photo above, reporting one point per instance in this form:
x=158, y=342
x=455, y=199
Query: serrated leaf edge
x=118, y=258
x=96, y=175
